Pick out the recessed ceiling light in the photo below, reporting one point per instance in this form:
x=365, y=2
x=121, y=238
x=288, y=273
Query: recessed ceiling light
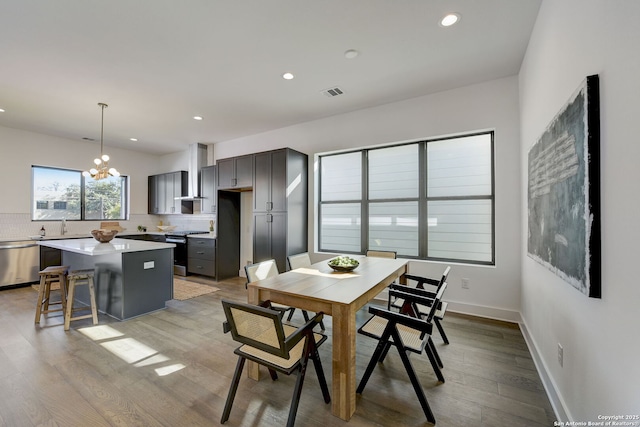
x=450, y=19
x=351, y=53
x=197, y=118
x=287, y=76
x=133, y=139
x=1, y=110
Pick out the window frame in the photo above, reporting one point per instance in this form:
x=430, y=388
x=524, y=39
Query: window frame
x=423, y=198
x=83, y=181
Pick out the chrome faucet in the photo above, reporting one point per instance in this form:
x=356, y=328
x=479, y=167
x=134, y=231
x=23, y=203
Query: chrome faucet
x=63, y=227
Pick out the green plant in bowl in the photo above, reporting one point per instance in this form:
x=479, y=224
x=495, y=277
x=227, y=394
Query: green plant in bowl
x=343, y=263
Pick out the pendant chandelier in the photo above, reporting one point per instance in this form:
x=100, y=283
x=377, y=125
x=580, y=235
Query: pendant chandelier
x=101, y=170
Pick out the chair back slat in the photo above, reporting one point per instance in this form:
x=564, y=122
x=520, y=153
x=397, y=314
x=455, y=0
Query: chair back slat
x=261, y=270
x=299, y=261
x=256, y=326
x=436, y=302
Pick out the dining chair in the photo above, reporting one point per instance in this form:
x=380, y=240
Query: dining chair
x=422, y=309
x=277, y=346
x=263, y=270
x=300, y=261
x=408, y=333
x=381, y=254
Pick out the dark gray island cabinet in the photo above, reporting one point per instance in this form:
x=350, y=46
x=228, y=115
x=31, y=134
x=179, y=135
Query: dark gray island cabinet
x=132, y=277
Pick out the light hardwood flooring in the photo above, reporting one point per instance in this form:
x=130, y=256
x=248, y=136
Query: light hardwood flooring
x=173, y=368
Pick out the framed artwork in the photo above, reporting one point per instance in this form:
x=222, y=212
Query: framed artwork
x=564, y=192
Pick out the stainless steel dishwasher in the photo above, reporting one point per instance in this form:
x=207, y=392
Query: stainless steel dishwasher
x=19, y=262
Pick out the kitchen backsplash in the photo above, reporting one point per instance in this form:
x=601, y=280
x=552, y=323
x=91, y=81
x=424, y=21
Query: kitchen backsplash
x=20, y=225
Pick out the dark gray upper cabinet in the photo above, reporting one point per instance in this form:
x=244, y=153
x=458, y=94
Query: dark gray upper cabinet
x=208, y=189
x=235, y=173
x=163, y=189
x=279, y=205
x=270, y=181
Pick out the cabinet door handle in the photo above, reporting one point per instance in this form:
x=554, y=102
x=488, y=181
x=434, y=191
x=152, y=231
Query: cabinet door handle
x=200, y=253
x=269, y=218
x=234, y=182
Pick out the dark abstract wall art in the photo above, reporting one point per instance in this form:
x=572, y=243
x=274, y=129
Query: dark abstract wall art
x=564, y=192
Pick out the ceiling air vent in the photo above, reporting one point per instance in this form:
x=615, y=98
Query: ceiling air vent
x=334, y=91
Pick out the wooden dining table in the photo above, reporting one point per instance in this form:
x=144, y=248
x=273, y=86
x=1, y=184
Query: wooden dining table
x=340, y=295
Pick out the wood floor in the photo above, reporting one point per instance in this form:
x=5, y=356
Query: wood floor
x=173, y=368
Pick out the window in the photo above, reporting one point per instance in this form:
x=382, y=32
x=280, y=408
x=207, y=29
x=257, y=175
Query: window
x=428, y=200
x=65, y=194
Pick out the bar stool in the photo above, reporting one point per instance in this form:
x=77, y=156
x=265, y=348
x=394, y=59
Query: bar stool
x=48, y=276
x=79, y=278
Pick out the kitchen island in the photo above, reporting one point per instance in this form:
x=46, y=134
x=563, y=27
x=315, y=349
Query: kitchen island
x=132, y=277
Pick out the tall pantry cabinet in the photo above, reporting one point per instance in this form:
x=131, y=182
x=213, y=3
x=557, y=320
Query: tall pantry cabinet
x=279, y=205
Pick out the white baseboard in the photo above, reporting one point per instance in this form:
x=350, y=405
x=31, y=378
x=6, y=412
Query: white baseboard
x=557, y=403
x=484, y=311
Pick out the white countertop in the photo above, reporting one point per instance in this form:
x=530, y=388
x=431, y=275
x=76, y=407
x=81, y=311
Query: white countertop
x=202, y=236
x=93, y=247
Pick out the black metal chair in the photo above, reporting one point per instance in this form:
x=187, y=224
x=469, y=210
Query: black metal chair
x=408, y=333
x=301, y=261
x=277, y=346
x=423, y=309
x=263, y=270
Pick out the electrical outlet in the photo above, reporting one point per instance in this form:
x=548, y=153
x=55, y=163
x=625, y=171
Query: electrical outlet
x=465, y=283
x=560, y=355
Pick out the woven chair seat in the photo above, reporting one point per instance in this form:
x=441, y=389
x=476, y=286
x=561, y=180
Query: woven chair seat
x=411, y=338
x=295, y=353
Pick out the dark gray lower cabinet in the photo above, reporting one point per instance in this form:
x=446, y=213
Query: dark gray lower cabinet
x=201, y=256
x=49, y=257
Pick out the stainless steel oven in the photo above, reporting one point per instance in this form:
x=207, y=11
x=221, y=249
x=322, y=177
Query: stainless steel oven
x=179, y=238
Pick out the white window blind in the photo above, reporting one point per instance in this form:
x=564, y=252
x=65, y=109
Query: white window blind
x=393, y=172
x=459, y=166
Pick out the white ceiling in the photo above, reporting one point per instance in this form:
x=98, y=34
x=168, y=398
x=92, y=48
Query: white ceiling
x=158, y=63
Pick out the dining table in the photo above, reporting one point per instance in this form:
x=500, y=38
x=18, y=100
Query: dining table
x=319, y=288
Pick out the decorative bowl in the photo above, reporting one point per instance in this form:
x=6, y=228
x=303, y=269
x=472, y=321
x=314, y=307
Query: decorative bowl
x=343, y=264
x=104, y=236
x=167, y=227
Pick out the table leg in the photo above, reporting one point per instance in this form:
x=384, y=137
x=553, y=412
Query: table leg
x=253, y=369
x=343, y=395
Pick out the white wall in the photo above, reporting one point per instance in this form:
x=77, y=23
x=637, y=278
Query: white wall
x=491, y=105
x=20, y=149
x=573, y=39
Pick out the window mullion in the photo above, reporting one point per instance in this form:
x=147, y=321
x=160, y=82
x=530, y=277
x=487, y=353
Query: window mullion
x=364, y=204
x=423, y=213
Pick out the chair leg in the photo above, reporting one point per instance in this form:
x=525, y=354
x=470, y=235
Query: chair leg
x=297, y=391
x=384, y=352
x=434, y=350
x=416, y=385
x=232, y=390
x=290, y=314
x=441, y=330
x=434, y=363
x=317, y=363
x=305, y=315
x=274, y=374
x=377, y=354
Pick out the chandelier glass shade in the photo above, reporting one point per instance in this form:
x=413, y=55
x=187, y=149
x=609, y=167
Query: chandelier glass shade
x=101, y=170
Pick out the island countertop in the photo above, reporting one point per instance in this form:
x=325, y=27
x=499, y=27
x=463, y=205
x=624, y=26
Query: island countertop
x=92, y=247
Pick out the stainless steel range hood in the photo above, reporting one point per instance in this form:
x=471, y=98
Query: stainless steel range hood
x=197, y=160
